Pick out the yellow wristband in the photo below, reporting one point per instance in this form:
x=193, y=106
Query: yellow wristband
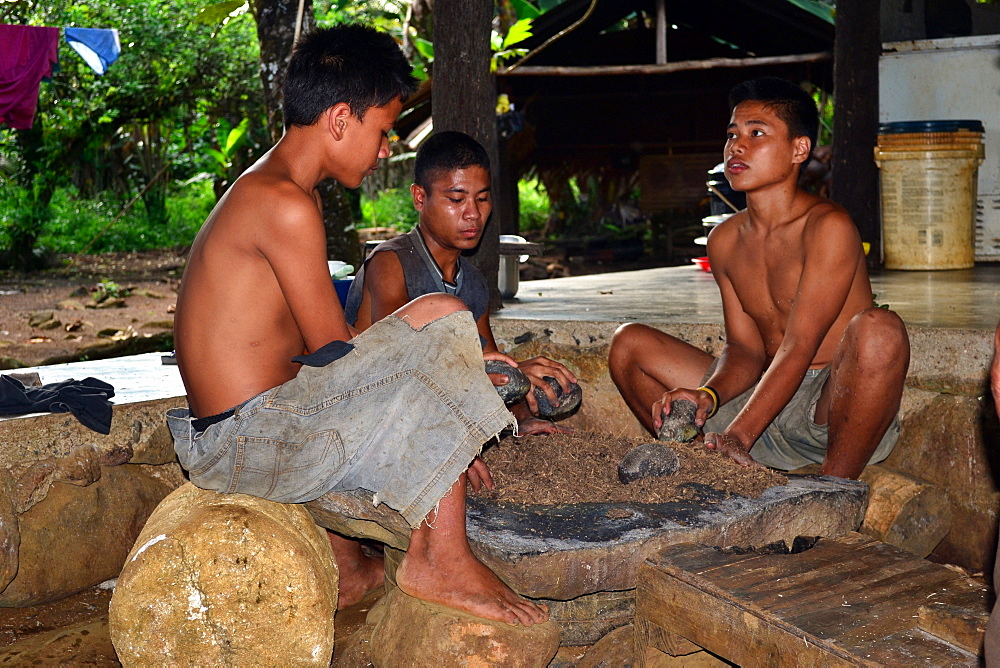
x=715, y=399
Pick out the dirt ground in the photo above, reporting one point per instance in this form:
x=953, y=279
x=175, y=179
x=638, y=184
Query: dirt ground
x=48, y=316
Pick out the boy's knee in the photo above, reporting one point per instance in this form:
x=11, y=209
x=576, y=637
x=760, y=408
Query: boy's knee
x=880, y=333
x=437, y=305
x=626, y=339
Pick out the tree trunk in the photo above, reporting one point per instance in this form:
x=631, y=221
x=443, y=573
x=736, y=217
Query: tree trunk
x=276, y=21
x=465, y=99
x=855, y=119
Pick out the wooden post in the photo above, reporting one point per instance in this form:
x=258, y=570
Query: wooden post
x=855, y=118
x=464, y=99
x=661, y=32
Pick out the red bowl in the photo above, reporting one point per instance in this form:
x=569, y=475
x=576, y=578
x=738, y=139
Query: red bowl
x=702, y=263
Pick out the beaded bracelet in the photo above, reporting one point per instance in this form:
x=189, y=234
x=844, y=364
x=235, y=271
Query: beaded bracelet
x=715, y=399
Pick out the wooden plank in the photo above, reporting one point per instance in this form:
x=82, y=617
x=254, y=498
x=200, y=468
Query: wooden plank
x=842, y=598
x=668, y=68
x=733, y=629
x=958, y=625
x=650, y=634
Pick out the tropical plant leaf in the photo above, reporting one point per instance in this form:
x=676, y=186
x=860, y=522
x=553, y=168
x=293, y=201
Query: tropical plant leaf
x=524, y=9
x=236, y=135
x=518, y=32
x=217, y=13
x=425, y=48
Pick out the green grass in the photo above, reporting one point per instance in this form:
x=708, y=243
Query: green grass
x=534, y=205
x=75, y=222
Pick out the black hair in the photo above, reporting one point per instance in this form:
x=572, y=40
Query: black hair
x=789, y=102
x=350, y=63
x=445, y=152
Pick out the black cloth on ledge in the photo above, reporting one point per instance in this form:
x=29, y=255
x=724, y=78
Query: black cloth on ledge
x=86, y=399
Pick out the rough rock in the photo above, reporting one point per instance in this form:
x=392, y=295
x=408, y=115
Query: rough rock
x=86, y=644
x=137, y=427
x=678, y=425
x=614, y=649
x=650, y=460
x=412, y=632
x=32, y=481
x=568, y=401
x=227, y=580
x=10, y=535
x=517, y=384
x=79, y=536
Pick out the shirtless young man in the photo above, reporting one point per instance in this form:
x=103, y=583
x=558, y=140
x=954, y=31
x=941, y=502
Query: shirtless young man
x=451, y=190
x=810, y=371
x=400, y=411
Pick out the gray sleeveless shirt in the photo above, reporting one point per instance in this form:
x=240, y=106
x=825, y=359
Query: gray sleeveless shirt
x=423, y=276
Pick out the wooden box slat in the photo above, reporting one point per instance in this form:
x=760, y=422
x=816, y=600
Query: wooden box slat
x=847, y=601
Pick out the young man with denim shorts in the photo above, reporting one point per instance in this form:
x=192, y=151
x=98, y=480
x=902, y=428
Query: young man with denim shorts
x=810, y=372
x=283, y=403
x=451, y=191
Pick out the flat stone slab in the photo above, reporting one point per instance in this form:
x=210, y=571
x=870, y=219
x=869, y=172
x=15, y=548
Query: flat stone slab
x=562, y=552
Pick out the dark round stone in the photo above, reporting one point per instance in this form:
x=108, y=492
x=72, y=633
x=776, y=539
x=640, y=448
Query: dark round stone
x=567, y=401
x=651, y=460
x=517, y=384
x=678, y=424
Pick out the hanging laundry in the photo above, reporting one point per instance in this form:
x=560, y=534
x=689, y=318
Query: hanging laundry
x=98, y=46
x=27, y=54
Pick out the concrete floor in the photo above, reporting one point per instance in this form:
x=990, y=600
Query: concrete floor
x=957, y=299
x=963, y=299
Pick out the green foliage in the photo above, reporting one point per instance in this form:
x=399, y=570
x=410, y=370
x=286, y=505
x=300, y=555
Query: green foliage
x=392, y=207
x=534, y=205
x=76, y=221
x=150, y=120
x=504, y=47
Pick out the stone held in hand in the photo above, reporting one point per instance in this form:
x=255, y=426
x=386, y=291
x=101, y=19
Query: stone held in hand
x=650, y=460
x=567, y=401
x=678, y=425
x=517, y=385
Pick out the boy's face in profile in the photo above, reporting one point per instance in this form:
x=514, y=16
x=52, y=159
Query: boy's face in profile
x=760, y=149
x=367, y=141
x=454, y=210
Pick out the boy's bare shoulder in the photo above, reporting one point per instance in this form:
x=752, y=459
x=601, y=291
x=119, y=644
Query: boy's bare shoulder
x=269, y=198
x=825, y=217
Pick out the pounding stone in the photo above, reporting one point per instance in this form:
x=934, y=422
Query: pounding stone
x=568, y=401
x=678, y=425
x=79, y=536
x=412, y=632
x=650, y=460
x=226, y=580
x=517, y=384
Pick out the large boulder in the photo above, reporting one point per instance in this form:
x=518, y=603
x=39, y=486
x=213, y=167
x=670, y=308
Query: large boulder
x=78, y=535
x=10, y=535
x=226, y=580
x=412, y=632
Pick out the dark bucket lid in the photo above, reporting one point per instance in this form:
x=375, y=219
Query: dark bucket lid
x=899, y=127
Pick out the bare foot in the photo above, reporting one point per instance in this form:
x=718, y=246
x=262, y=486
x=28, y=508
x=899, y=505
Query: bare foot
x=439, y=567
x=359, y=572
x=466, y=584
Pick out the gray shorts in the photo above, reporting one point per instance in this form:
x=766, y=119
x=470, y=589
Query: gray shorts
x=400, y=415
x=793, y=439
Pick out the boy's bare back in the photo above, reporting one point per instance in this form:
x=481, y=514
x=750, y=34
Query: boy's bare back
x=256, y=291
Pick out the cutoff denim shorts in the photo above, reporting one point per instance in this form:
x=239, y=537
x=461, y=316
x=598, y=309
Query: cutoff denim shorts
x=793, y=439
x=401, y=415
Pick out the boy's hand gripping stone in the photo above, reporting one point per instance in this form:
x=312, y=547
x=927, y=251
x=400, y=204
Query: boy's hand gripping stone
x=568, y=401
x=517, y=385
x=678, y=425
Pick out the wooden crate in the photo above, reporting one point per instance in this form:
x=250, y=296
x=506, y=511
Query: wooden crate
x=850, y=601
